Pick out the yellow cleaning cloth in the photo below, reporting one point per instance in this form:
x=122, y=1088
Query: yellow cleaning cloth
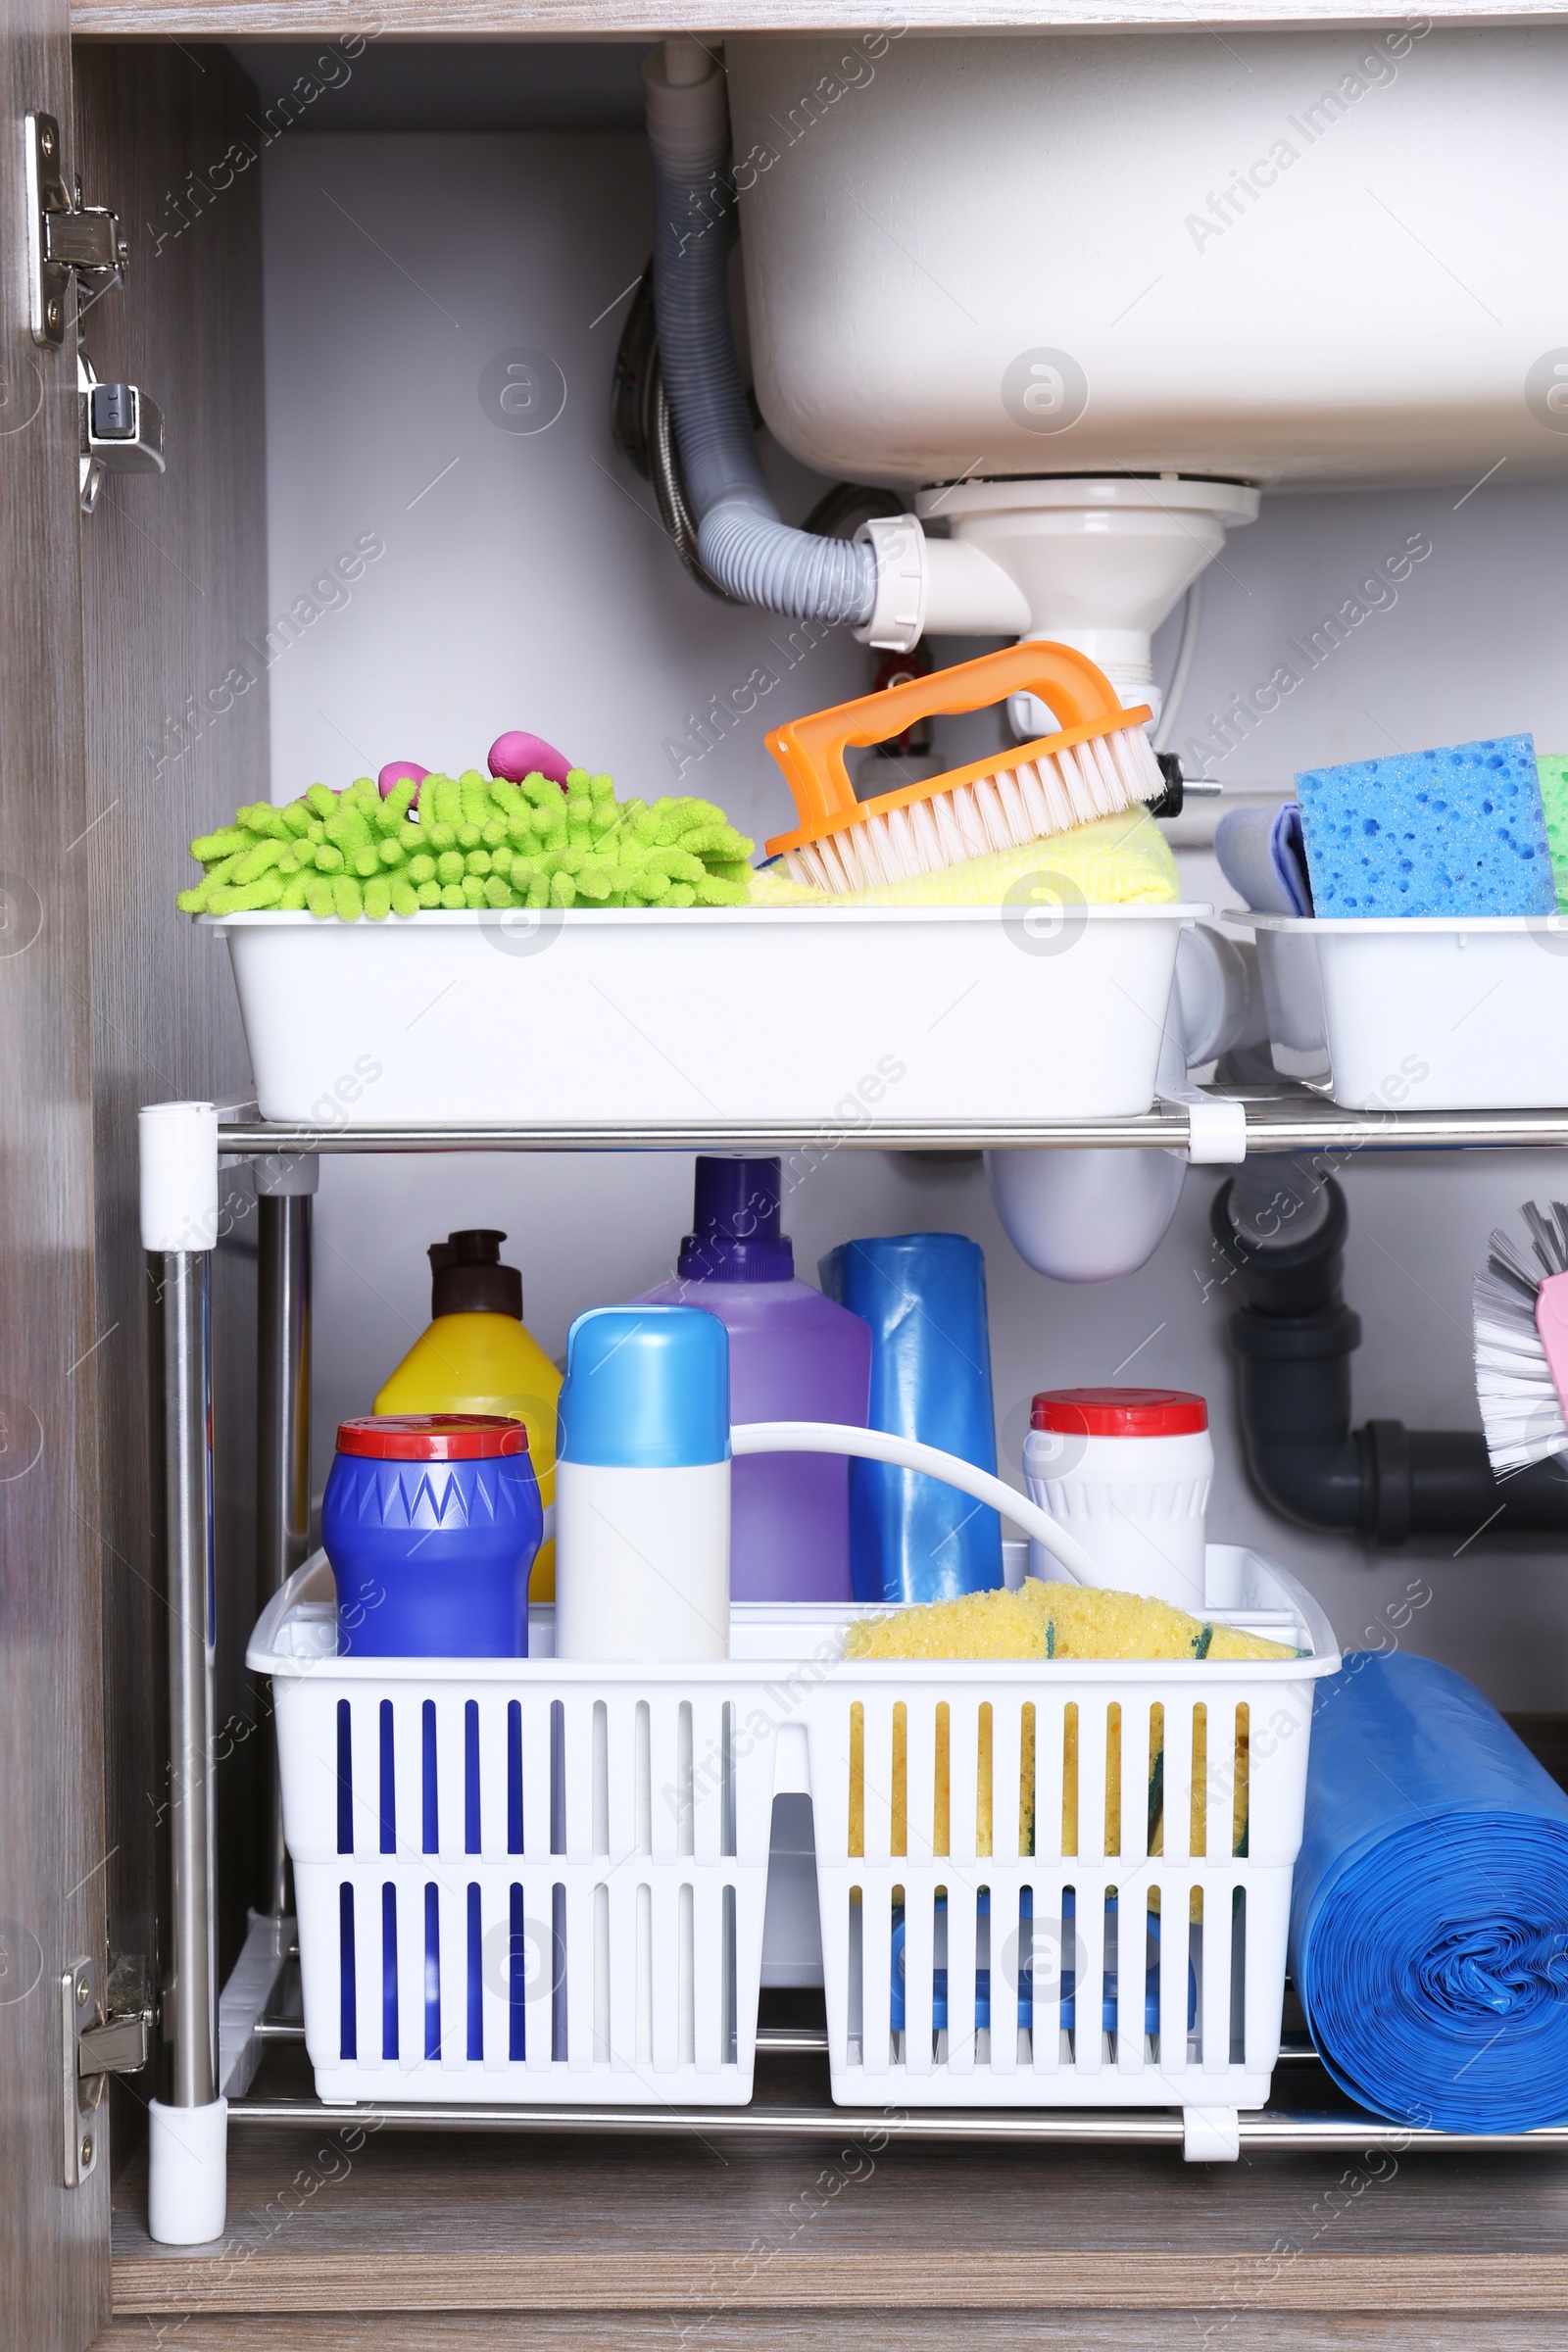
x=1117, y=861
x=1047, y=1621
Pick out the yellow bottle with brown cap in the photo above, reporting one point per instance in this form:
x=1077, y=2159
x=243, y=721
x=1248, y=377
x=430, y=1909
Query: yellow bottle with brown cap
x=478, y=1356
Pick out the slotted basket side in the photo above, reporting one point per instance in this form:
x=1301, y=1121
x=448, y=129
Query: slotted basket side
x=984, y=1838
x=546, y=1888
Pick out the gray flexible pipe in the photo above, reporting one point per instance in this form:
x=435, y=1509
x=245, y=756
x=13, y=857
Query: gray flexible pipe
x=742, y=542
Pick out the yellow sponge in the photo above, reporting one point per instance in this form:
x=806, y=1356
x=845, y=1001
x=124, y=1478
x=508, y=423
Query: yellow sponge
x=1116, y=862
x=1052, y=1621
x=1047, y=1621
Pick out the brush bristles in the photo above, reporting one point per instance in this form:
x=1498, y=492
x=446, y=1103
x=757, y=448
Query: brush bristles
x=1521, y=1412
x=1006, y=810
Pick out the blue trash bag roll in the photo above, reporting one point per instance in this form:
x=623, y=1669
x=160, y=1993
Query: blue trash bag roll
x=1429, y=1917
x=924, y=1295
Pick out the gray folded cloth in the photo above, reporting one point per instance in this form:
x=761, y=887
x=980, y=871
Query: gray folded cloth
x=1263, y=855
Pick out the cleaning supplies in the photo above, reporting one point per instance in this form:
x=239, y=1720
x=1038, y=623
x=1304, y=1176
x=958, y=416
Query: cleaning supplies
x=1429, y=1916
x=642, y=1508
x=431, y=1523
x=1452, y=832
x=1128, y=1470
x=1051, y=1620
x=794, y=1356
x=1027, y=1975
x=1115, y=861
x=477, y=1357
x=925, y=1296
x=1263, y=854
x=1521, y=1342
x=1552, y=773
x=1099, y=763
x=475, y=842
x=518, y=754
x=1058, y=1622
x=400, y=771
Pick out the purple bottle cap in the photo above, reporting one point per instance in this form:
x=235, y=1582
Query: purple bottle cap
x=736, y=1216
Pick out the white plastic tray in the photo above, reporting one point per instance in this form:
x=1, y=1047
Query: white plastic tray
x=840, y=1017
x=1419, y=1013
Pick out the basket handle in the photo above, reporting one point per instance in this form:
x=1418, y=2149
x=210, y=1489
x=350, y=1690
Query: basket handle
x=811, y=750
x=908, y=1453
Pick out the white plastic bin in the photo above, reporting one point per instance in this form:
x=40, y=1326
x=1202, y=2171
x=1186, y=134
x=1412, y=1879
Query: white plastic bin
x=555, y=1874
x=842, y=1017
x=1422, y=1013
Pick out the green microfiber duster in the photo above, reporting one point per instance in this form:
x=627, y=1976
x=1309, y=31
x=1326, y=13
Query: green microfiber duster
x=473, y=842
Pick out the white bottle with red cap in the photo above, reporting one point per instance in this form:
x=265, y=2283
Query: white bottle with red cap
x=1127, y=1471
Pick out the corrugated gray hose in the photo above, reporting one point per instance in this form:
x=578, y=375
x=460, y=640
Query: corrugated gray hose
x=743, y=544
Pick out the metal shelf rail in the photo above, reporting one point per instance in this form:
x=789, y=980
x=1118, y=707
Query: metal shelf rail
x=215, y=2046
x=1288, y=2123
x=1127, y=2127
x=1287, y=1118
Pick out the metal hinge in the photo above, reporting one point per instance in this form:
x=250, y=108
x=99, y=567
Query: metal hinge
x=63, y=237
x=96, y=2046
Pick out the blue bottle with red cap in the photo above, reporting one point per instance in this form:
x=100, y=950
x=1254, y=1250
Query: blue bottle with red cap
x=794, y=1356
x=430, y=1521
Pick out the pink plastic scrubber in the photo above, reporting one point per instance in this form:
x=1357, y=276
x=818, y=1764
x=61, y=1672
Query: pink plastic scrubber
x=517, y=754
x=400, y=771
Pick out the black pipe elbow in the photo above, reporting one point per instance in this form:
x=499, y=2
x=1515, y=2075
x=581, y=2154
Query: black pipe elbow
x=1292, y=1339
x=1294, y=1389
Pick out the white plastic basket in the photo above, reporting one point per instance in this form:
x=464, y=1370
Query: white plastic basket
x=556, y=1872
x=1422, y=1012
x=844, y=1017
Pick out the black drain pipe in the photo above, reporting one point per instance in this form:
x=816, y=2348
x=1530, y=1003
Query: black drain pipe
x=1282, y=1230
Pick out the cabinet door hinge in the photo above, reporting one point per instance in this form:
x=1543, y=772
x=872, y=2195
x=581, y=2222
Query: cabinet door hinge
x=63, y=237
x=97, y=2043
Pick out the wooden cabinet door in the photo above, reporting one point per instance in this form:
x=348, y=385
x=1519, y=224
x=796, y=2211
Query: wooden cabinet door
x=54, y=2240
x=173, y=584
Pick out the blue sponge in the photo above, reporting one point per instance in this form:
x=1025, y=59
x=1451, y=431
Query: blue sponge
x=1460, y=831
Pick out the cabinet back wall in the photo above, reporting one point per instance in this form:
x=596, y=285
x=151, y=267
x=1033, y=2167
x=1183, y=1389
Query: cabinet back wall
x=520, y=579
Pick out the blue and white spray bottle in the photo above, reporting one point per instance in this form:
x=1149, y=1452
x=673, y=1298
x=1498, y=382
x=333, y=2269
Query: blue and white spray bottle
x=642, y=1486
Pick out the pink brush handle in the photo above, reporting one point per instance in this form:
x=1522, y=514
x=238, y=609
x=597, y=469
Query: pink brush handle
x=1551, y=1321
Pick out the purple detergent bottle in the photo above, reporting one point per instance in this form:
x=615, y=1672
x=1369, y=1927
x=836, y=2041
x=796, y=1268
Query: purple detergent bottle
x=794, y=1356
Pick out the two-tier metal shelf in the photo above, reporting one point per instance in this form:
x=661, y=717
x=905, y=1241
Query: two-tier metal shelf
x=221, y=2043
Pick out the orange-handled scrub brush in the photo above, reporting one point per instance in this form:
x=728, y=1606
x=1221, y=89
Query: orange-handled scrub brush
x=1098, y=764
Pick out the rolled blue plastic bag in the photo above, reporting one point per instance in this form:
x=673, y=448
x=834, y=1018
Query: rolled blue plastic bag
x=1429, y=1918
x=924, y=1295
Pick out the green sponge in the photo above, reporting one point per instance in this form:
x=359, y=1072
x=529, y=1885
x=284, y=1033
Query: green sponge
x=1553, y=769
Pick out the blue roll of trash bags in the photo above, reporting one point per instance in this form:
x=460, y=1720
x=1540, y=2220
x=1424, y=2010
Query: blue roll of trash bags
x=1429, y=1918
x=912, y=1538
